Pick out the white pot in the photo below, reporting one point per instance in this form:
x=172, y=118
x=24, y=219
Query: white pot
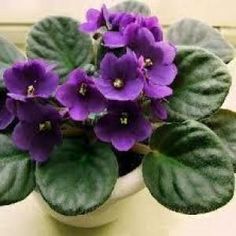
x=125, y=187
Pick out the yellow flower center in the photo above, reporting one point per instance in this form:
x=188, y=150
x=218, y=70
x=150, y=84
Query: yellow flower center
x=82, y=89
x=148, y=62
x=124, y=118
x=118, y=83
x=45, y=126
x=30, y=90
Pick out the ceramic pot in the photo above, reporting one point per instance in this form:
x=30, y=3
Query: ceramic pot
x=125, y=187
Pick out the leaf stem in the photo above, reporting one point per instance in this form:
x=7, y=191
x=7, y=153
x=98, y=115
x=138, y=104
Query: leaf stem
x=141, y=148
x=75, y=132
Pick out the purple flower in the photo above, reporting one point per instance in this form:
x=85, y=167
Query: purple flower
x=120, y=20
x=123, y=125
x=40, y=135
x=158, y=109
x=29, y=79
x=153, y=25
x=120, y=78
x=6, y=117
x=80, y=95
x=156, y=59
x=128, y=26
x=95, y=20
x=115, y=38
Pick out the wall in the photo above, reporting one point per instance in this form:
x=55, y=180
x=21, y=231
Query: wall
x=17, y=16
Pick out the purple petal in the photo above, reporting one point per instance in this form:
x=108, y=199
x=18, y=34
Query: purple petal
x=144, y=38
x=41, y=146
x=103, y=128
x=159, y=110
x=76, y=76
x=125, y=20
x=169, y=51
x=96, y=101
x=88, y=27
x=157, y=33
x=151, y=22
x=143, y=129
x=162, y=74
x=48, y=112
x=11, y=106
x=127, y=66
x=122, y=142
x=6, y=118
x=157, y=91
x=107, y=66
x=105, y=88
x=114, y=39
x=48, y=85
x=91, y=25
x=131, y=90
x=93, y=14
x=17, y=97
x=23, y=134
x=28, y=111
x=79, y=111
x=66, y=95
x=14, y=79
x=105, y=16
x=130, y=34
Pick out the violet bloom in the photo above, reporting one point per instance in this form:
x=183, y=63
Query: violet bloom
x=25, y=111
x=158, y=109
x=80, y=96
x=156, y=59
x=115, y=37
x=120, y=78
x=40, y=136
x=95, y=20
x=33, y=78
x=124, y=34
x=6, y=117
x=153, y=25
x=123, y=125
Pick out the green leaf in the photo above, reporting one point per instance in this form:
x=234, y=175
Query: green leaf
x=9, y=54
x=78, y=177
x=132, y=6
x=196, y=33
x=223, y=123
x=16, y=173
x=202, y=83
x=189, y=170
x=58, y=40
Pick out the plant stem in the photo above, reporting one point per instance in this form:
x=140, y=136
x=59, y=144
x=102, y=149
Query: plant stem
x=75, y=132
x=141, y=148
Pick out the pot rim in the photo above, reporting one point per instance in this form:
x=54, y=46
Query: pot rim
x=128, y=184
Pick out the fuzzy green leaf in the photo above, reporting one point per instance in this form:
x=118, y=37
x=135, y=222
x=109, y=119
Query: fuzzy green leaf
x=16, y=173
x=192, y=32
x=223, y=123
x=58, y=40
x=78, y=177
x=202, y=83
x=132, y=6
x=189, y=170
x=9, y=54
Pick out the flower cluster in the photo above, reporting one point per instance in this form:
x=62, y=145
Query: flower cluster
x=113, y=101
x=29, y=85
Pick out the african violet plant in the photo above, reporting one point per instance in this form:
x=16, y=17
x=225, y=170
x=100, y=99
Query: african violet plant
x=114, y=85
